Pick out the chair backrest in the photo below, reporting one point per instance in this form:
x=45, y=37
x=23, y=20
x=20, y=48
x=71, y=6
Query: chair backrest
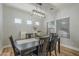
x=22, y=35
x=53, y=35
x=12, y=43
x=54, y=40
x=45, y=46
x=30, y=35
x=53, y=44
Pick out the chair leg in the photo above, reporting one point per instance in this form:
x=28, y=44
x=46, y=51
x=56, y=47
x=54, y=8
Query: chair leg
x=59, y=45
x=55, y=50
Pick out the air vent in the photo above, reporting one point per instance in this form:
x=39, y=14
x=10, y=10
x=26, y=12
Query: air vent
x=51, y=8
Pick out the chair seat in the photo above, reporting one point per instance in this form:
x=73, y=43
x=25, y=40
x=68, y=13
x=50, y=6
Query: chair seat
x=29, y=51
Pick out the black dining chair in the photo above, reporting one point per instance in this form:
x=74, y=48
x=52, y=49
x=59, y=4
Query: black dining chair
x=15, y=50
x=43, y=49
x=54, y=40
x=26, y=52
x=30, y=35
x=53, y=45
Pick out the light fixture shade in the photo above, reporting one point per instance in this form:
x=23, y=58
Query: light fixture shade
x=37, y=23
x=38, y=13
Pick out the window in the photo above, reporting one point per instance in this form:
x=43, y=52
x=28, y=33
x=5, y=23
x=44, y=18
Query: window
x=17, y=20
x=29, y=22
x=37, y=23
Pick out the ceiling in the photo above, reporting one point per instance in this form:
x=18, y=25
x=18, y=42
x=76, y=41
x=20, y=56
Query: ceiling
x=45, y=7
x=64, y=5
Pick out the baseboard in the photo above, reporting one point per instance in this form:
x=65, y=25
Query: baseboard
x=6, y=46
x=77, y=49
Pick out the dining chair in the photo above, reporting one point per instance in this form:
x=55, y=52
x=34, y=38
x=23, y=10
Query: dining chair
x=54, y=41
x=15, y=50
x=26, y=52
x=43, y=49
x=30, y=35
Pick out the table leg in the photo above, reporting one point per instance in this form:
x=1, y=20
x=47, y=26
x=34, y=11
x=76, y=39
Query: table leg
x=36, y=51
x=50, y=48
x=59, y=45
x=21, y=53
x=55, y=50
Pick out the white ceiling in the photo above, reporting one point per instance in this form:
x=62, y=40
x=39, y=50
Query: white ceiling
x=45, y=8
x=29, y=7
x=64, y=5
x=24, y=6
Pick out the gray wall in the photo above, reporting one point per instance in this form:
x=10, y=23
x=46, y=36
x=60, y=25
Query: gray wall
x=1, y=26
x=73, y=13
x=11, y=28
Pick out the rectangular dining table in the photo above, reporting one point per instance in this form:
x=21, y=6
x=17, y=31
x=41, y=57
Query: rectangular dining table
x=26, y=44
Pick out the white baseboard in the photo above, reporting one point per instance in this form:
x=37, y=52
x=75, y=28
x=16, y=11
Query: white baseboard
x=77, y=49
x=6, y=46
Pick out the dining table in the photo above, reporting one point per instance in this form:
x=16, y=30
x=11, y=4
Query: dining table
x=24, y=44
